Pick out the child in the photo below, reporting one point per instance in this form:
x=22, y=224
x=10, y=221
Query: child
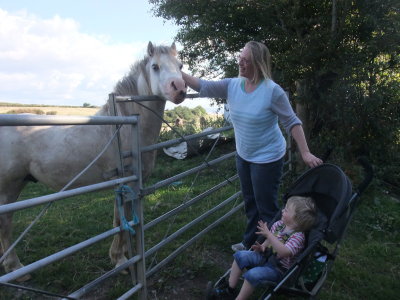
x=286, y=240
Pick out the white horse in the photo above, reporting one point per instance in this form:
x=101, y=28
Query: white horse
x=54, y=155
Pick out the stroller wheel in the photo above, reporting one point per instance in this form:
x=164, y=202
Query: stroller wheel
x=209, y=291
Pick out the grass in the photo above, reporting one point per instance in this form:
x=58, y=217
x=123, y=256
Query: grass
x=367, y=265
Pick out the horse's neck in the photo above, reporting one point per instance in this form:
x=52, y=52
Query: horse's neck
x=150, y=112
x=149, y=117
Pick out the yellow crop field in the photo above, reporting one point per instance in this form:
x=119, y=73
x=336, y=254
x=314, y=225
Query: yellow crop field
x=53, y=110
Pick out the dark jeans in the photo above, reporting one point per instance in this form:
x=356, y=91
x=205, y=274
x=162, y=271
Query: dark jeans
x=259, y=184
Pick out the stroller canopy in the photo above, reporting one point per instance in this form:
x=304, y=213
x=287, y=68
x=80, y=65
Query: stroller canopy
x=332, y=190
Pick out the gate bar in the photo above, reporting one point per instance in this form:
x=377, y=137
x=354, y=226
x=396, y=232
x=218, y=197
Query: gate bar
x=186, y=138
x=91, y=285
x=148, y=98
x=38, y=120
x=192, y=240
x=65, y=194
x=82, y=291
x=57, y=256
x=176, y=141
x=139, y=248
x=151, y=189
x=189, y=203
x=131, y=292
x=190, y=224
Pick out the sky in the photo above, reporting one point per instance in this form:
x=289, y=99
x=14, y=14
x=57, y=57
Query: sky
x=70, y=52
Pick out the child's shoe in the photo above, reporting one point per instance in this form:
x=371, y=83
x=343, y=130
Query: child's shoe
x=226, y=294
x=223, y=292
x=238, y=247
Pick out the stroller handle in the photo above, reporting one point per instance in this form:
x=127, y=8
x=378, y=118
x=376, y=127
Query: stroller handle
x=369, y=174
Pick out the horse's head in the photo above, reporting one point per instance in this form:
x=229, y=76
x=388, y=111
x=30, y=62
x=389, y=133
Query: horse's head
x=165, y=73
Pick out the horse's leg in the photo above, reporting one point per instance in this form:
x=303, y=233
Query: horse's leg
x=12, y=261
x=118, y=245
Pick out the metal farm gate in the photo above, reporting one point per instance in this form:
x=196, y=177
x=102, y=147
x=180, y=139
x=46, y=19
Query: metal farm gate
x=136, y=248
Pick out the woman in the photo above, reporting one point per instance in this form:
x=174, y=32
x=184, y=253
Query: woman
x=256, y=103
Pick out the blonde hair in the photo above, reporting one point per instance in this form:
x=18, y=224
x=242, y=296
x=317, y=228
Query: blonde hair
x=305, y=212
x=260, y=59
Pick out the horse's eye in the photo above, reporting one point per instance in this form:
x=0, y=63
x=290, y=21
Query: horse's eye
x=155, y=67
x=181, y=66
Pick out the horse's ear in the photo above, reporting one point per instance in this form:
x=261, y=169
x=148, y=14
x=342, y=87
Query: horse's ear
x=150, y=49
x=173, y=49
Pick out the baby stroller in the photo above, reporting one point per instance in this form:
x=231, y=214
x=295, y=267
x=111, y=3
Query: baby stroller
x=336, y=202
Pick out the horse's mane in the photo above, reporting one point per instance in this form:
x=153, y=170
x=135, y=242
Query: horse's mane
x=128, y=85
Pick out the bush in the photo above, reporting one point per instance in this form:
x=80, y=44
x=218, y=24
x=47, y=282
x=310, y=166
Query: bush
x=185, y=113
x=192, y=126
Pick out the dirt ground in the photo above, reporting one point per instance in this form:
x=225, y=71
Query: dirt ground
x=187, y=286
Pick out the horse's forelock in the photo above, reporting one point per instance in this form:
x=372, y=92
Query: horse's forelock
x=163, y=50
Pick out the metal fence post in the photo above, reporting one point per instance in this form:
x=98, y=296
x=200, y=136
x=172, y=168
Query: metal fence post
x=121, y=173
x=138, y=206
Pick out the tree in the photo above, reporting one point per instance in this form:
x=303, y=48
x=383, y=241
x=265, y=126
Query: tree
x=339, y=60
x=185, y=113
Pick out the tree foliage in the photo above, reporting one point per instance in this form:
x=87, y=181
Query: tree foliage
x=339, y=59
x=185, y=113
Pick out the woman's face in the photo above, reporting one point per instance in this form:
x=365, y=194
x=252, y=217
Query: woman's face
x=246, y=68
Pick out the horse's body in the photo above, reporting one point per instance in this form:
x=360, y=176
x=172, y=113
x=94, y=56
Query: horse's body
x=54, y=155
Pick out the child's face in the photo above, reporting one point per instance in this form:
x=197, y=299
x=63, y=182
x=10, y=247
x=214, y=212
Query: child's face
x=288, y=215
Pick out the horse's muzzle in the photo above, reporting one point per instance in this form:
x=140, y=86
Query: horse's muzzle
x=180, y=97
x=177, y=90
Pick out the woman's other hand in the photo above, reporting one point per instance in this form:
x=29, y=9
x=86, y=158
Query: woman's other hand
x=311, y=160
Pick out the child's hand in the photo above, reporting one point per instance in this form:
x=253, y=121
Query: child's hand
x=258, y=247
x=263, y=229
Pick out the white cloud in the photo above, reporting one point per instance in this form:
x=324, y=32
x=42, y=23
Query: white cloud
x=49, y=61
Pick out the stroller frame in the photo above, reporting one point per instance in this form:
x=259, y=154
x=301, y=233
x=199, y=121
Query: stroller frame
x=336, y=203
